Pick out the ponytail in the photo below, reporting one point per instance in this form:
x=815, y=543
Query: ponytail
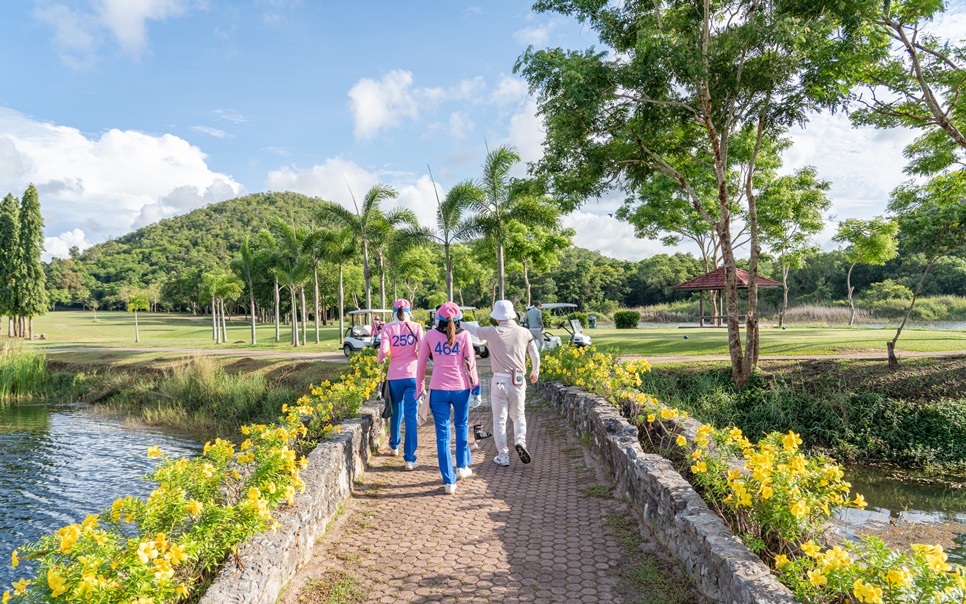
x=401, y=314
x=451, y=332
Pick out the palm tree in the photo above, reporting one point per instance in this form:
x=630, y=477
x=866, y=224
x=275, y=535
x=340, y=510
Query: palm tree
x=245, y=267
x=385, y=236
x=363, y=223
x=315, y=245
x=268, y=258
x=292, y=266
x=506, y=199
x=339, y=247
x=451, y=227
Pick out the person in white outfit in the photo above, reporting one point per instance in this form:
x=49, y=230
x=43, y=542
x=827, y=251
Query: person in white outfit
x=509, y=345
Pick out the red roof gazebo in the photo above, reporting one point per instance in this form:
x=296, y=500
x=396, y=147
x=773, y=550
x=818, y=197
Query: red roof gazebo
x=715, y=281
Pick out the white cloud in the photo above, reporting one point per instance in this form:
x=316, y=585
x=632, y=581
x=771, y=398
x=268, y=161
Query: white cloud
x=105, y=185
x=333, y=179
x=230, y=115
x=536, y=35
x=612, y=237
x=527, y=134
x=215, y=132
x=59, y=247
x=460, y=124
x=77, y=32
x=378, y=105
x=509, y=90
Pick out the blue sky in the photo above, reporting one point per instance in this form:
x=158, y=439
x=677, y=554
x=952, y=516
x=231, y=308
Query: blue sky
x=127, y=111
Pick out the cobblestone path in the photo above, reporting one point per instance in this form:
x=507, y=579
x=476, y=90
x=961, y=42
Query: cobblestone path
x=544, y=532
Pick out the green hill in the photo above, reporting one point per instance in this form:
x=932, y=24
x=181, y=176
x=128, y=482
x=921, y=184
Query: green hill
x=175, y=248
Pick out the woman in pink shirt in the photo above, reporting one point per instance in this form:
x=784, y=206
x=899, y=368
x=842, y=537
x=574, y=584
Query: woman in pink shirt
x=400, y=341
x=454, y=376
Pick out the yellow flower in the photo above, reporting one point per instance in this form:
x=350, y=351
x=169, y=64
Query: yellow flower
x=650, y=418
x=696, y=454
x=810, y=549
x=781, y=560
x=800, y=509
x=866, y=592
x=816, y=578
x=14, y=560
x=195, y=507
x=681, y=441
x=745, y=499
x=699, y=467
x=57, y=583
x=936, y=560
x=791, y=441
x=899, y=578
x=766, y=492
x=735, y=434
x=154, y=451
x=6, y=597
x=146, y=552
x=20, y=586
x=859, y=502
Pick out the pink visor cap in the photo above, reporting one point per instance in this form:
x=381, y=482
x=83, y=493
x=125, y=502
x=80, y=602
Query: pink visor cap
x=401, y=303
x=449, y=312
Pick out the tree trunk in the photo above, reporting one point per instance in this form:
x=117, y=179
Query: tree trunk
x=251, y=300
x=367, y=275
x=781, y=317
x=526, y=279
x=137, y=333
x=315, y=283
x=295, y=315
x=449, y=272
x=848, y=284
x=95, y=314
x=278, y=303
x=382, y=280
x=214, y=320
x=30, y=329
x=891, y=346
x=305, y=312
x=341, y=306
x=224, y=327
x=499, y=270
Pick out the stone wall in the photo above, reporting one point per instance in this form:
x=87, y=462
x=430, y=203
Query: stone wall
x=722, y=568
x=268, y=560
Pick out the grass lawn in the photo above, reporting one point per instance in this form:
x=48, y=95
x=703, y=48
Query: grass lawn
x=67, y=329
x=162, y=330
x=791, y=341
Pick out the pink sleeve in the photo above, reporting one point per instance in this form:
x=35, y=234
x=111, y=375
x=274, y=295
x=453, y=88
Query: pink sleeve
x=469, y=353
x=422, y=359
x=383, y=348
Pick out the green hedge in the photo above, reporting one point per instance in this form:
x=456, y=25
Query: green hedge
x=627, y=319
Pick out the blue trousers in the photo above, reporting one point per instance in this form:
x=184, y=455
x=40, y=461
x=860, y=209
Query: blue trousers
x=441, y=402
x=404, y=406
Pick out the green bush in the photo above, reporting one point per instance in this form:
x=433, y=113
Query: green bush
x=22, y=372
x=421, y=315
x=580, y=316
x=627, y=319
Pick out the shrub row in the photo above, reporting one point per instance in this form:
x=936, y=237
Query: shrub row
x=167, y=548
x=774, y=497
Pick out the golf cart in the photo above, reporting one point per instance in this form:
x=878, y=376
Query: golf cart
x=571, y=326
x=478, y=345
x=360, y=336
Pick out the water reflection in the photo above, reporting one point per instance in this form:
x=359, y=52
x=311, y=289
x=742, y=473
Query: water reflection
x=58, y=464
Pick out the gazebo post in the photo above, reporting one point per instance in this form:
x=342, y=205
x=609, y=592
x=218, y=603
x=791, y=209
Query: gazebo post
x=701, y=311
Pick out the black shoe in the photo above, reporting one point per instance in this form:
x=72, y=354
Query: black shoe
x=524, y=454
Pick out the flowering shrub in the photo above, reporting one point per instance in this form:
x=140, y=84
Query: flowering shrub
x=775, y=498
x=165, y=548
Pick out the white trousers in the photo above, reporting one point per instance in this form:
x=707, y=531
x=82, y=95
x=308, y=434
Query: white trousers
x=507, y=399
x=537, y=338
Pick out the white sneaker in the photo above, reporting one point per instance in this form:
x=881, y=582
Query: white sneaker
x=464, y=472
x=502, y=460
x=394, y=452
x=411, y=465
x=450, y=489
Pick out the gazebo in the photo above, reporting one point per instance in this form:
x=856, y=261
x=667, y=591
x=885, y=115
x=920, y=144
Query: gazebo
x=715, y=281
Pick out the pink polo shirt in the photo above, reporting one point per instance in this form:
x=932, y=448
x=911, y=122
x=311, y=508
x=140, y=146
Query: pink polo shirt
x=402, y=346
x=449, y=362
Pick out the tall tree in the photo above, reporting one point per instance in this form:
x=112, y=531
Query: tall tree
x=932, y=219
x=31, y=288
x=245, y=267
x=340, y=248
x=535, y=249
x=385, y=235
x=507, y=199
x=687, y=93
x=138, y=301
x=452, y=226
x=292, y=266
x=792, y=214
x=869, y=242
x=364, y=223
x=10, y=258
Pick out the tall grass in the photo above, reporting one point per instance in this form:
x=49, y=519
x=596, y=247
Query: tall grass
x=22, y=372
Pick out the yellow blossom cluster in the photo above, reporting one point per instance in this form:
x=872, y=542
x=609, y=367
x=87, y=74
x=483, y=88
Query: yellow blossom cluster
x=159, y=549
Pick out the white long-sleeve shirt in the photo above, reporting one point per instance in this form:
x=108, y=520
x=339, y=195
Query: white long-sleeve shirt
x=509, y=346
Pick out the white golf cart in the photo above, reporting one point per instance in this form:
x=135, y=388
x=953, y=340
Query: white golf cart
x=571, y=326
x=360, y=336
x=479, y=345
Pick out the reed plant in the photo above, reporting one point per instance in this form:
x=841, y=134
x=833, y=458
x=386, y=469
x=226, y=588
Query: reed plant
x=23, y=372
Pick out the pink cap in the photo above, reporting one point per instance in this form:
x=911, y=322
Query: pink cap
x=401, y=303
x=449, y=311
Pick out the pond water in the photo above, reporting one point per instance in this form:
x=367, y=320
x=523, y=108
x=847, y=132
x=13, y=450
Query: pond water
x=939, y=325
x=895, y=501
x=59, y=464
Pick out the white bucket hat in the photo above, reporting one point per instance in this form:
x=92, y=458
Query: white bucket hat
x=503, y=310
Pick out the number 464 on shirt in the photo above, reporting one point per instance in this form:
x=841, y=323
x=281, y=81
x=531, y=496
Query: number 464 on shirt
x=445, y=348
